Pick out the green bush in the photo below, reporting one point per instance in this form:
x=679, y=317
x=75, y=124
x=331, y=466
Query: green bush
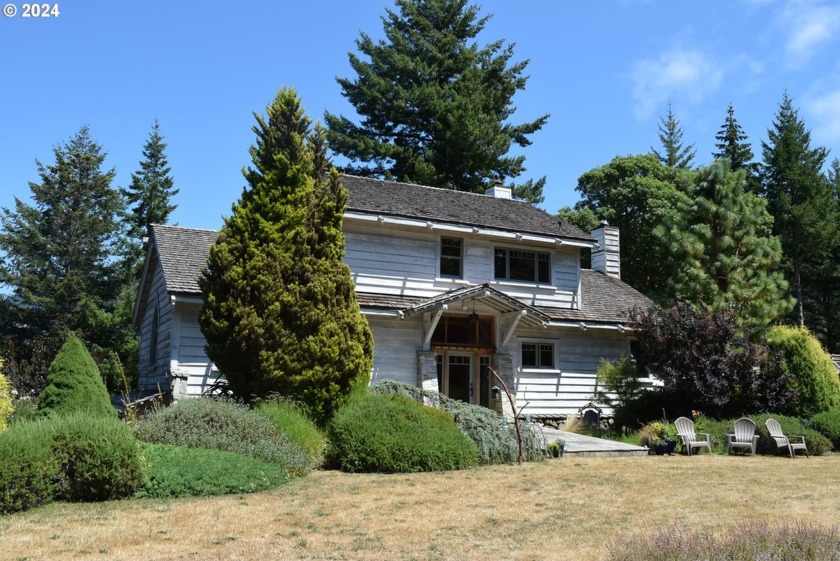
x=827, y=423
x=6, y=407
x=74, y=384
x=29, y=474
x=815, y=377
x=750, y=541
x=223, y=425
x=24, y=411
x=99, y=457
x=178, y=471
x=393, y=434
x=495, y=440
x=290, y=419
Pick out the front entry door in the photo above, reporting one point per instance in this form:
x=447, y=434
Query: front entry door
x=460, y=377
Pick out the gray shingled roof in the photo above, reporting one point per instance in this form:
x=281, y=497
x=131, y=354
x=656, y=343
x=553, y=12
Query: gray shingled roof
x=183, y=255
x=390, y=198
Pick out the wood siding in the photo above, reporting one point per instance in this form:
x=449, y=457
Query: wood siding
x=151, y=376
x=385, y=260
x=190, y=363
x=396, y=343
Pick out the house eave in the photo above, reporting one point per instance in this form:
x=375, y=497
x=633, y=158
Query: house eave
x=464, y=229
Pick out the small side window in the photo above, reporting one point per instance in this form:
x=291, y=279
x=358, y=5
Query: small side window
x=538, y=355
x=451, y=257
x=153, y=336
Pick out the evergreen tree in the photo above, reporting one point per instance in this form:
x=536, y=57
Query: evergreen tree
x=59, y=252
x=74, y=384
x=151, y=192
x=635, y=194
x=435, y=106
x=674, y=154
x=798, y=197
x=721, y=253
x=280, y=311
x=733, y=147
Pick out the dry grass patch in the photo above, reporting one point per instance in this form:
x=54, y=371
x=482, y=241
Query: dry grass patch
x=565, y=509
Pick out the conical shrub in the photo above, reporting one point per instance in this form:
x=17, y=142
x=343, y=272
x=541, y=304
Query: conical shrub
x=74, y=384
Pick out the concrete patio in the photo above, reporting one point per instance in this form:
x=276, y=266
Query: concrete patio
x=581, y=445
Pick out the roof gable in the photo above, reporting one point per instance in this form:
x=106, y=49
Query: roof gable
x=183, y=255
x=404, y=200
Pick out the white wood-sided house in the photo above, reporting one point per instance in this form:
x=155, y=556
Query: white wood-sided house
x=452, y=284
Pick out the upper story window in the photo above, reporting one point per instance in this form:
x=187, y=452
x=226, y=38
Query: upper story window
x=538, y=355
x=518, y=265
x=452, y=257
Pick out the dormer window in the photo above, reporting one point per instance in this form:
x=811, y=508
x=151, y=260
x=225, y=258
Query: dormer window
x=452, y=257
x=518, y=265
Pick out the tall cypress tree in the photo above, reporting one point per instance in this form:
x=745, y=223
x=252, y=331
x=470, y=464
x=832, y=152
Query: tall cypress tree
x=436, y=107
x=733, y=147
x=720, y=250
x=798, y=197
x=59, y=251
x=151, y=191
x=674, y=154
x=280, y=312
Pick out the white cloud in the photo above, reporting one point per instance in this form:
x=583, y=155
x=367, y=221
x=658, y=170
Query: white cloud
x=825, y=111
x=685, y=73
x=810, y=26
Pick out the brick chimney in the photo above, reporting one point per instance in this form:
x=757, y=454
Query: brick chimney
x=606, y=258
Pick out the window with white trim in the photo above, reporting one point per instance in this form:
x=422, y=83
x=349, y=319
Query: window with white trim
x=538, y=355
x=519, y=265
x=452, y=257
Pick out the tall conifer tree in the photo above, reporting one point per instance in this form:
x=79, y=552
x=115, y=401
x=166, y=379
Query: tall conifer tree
x=150, y=192
x=674, y=154
x=720, y=250
x=733, y=146
x=436, y=107
x=59, y=251
x=798, y=196
x=280, y=312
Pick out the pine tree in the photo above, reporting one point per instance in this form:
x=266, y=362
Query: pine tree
x=798, y=197
x=59, y=252
x=74, y=384
x=435, y=106
x=151, y=192
x=280, y=311
x=673, y=155
x=733, y=147
x=720, y=250
x=635, y=194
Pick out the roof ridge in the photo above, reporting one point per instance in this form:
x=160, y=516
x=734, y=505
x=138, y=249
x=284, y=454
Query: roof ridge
x=185, y=228
x=439, y=189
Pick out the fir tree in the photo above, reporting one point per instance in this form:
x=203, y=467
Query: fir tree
x=74, y=384
x=151, y=192
x=673, y=155
x=280, y=311
x=798, y=197
x=733, y=147
x=59, y=252
x=436, y=107
x=721, y=252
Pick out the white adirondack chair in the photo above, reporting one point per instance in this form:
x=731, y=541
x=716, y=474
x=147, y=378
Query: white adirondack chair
x=783, y=441
x=743, y=437
x=685, y=430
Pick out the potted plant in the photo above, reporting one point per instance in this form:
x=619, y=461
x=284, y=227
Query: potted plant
x=660, y=437
x=556, y=448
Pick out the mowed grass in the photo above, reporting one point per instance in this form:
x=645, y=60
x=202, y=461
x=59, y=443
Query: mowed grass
x=567, y=509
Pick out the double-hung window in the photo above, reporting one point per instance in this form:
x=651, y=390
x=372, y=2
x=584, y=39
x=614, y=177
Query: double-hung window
x=519, y=265
x=452, y=257
x=538, y=355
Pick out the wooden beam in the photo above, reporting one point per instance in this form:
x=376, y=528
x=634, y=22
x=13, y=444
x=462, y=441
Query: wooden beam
x=517, y=317
x=427, y=340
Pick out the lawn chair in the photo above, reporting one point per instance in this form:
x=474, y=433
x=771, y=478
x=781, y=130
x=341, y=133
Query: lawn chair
x=685, y=430
x=783, y=441
x=743, y=437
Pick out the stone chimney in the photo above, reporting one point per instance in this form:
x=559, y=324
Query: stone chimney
x=499, y=191
x=606, y=258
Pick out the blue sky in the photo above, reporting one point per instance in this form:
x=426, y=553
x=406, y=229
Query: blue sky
x=605, y=71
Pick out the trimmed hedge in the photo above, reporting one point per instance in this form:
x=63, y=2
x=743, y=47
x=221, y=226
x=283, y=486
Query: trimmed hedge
x=178, y=471
x=290, y=419
x=496, y=441
x=815, y=378
x=74, y=384
x=225, y=425
x=393, y=434
x=827, y=423
x=73, y=457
